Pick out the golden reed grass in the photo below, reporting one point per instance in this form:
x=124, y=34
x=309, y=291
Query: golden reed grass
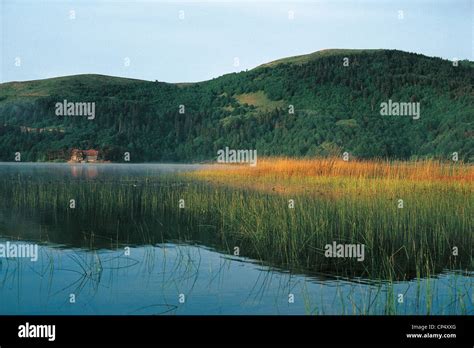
x=281, y=167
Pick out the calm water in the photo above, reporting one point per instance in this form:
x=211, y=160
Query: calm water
x=179, y=275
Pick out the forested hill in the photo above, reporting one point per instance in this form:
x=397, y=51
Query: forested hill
x=336, y=109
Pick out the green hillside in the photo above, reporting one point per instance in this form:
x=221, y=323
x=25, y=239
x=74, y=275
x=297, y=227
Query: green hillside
x=336, y=109
x=305, y=58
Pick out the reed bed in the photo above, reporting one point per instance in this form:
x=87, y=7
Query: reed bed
x=400, y=243
x=281, y=167
x=409, y=215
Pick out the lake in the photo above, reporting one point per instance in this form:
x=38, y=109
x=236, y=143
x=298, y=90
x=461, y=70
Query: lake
x=129, y=245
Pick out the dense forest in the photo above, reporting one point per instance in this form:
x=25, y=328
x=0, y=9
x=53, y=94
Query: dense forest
x=321, y=104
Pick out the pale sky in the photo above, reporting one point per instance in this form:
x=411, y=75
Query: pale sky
x=42, y=39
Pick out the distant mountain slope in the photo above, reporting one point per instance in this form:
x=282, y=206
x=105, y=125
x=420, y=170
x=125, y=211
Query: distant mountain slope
x=306, y=58
x=336, y=109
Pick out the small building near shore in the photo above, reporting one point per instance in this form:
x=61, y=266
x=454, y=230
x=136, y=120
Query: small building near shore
x=81, y=156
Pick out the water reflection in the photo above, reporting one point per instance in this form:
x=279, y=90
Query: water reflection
x=84, y=171
x=91, y=170
x=154, y=280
